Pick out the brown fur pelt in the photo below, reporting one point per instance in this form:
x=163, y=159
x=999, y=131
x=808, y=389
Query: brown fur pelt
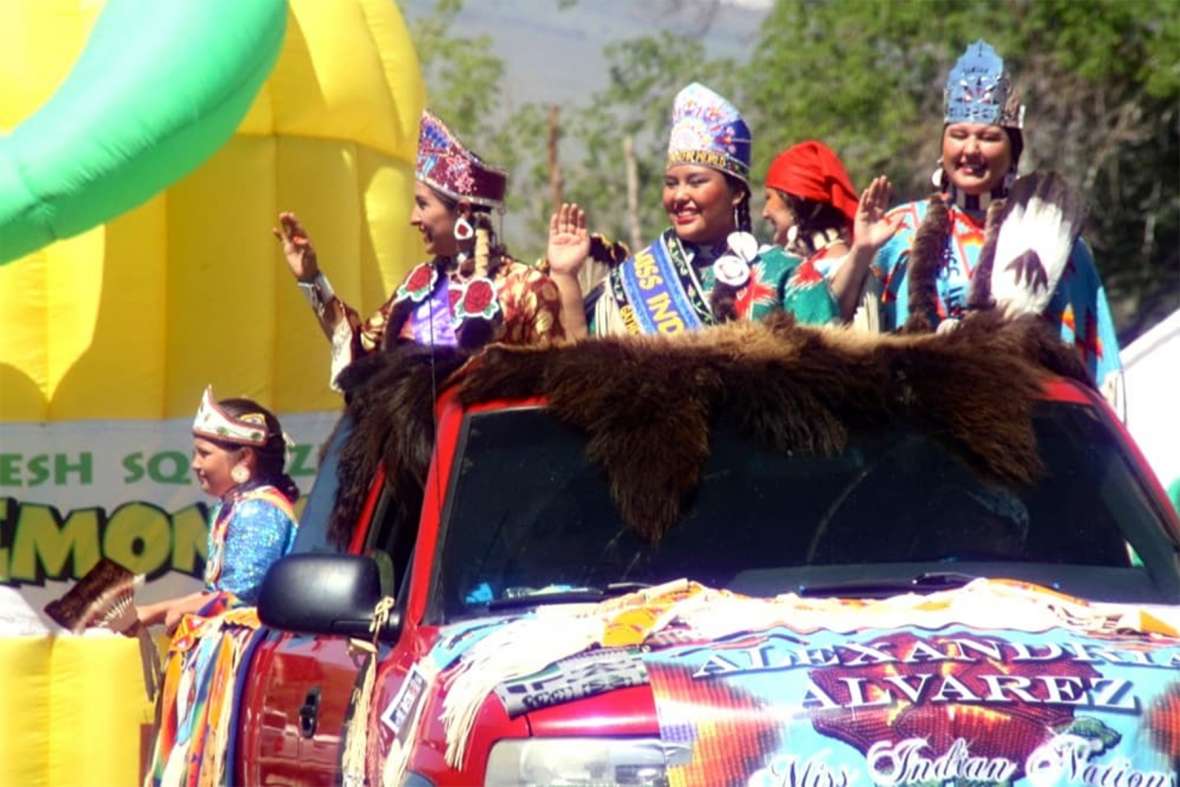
x=980, y=295
x=646, y=404
x=390, y=401
x=925, y=262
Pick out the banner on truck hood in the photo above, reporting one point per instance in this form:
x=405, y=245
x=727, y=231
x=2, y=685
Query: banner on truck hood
x=995, y=683
x=913, y=707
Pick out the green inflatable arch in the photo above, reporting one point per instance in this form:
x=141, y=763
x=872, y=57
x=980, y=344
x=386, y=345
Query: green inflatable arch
x=160, y=86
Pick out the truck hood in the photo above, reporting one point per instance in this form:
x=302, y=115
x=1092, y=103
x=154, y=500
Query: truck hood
x=918, y=689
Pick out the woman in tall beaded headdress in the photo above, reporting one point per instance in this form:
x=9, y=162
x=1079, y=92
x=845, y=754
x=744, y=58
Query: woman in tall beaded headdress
x=239, y=451
x=940, y=257
x=468, y=293
x=706, y=268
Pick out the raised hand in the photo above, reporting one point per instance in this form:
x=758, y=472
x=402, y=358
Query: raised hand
x=569, y=243
x=297, y=247
x=873, y=228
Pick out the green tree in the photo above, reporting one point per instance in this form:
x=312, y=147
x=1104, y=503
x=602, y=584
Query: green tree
x=462, y=74
x=645, y=75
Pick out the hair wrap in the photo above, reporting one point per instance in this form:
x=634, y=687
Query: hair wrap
x=811, y=170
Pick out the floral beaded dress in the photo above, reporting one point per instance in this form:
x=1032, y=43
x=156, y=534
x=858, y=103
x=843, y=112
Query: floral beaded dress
x=248, y=532
x=665, y=288
x=523, y=302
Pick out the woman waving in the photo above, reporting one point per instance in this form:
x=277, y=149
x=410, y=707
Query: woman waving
x=706, y=268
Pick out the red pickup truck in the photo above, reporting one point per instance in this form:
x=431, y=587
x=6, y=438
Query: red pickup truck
x=884, y=478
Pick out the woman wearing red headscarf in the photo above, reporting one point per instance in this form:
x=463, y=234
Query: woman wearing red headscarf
x=811, y=205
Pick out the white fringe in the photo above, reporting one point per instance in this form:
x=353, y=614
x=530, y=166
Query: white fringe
x=531, y=644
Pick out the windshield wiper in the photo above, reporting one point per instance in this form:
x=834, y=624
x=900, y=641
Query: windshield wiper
x=928, y=580
x=571, y=596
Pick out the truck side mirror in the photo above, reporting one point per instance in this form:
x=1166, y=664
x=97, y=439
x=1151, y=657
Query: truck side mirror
x=323, y=594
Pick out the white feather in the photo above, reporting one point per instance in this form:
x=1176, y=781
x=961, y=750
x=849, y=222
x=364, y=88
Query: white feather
x=1043, y=218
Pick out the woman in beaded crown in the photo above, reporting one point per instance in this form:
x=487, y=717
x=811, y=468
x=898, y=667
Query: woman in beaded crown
x=706, y=268
x=986, y=238
x=470, y=290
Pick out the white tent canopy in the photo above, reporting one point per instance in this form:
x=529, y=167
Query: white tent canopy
x=1152, y=371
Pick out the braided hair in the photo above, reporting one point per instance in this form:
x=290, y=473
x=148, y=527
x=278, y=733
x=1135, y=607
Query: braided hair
x=813, y=217
x=930, y=246
x=489, y=255
x=723, y=298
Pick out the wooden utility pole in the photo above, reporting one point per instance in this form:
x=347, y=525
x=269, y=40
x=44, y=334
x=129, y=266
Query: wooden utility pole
x=634, y=230
x=555, y=181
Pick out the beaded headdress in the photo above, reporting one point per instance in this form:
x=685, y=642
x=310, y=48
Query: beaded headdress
x=708, y=130
x=446, y=165
x=216, y=424
x=978, y=90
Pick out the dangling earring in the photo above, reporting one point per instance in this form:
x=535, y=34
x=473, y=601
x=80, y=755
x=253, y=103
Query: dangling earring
x=240, y=474
x=463, y=230
x=938, y=179
x=792, y=235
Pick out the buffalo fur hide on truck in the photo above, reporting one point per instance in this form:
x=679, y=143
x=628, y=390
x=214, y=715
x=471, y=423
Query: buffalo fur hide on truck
x=646, y=403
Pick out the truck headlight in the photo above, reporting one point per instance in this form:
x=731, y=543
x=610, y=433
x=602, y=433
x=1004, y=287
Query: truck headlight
x=577, y=762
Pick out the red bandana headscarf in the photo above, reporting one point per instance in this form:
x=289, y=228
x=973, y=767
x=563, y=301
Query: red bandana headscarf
x=812, y=171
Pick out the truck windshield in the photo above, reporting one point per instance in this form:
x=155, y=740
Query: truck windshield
x=530, y=515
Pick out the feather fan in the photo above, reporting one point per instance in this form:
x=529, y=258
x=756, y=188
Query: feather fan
x=105, y=598
x=1042, y=223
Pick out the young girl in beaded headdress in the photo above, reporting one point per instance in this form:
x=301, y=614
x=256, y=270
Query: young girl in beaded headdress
x=239, y=452
x=469, y=292
x=941, y=257
x=238, y=456
x=706, y=268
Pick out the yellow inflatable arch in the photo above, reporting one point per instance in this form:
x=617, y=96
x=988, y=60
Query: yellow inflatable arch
x=132, y=318
x=128, y=321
